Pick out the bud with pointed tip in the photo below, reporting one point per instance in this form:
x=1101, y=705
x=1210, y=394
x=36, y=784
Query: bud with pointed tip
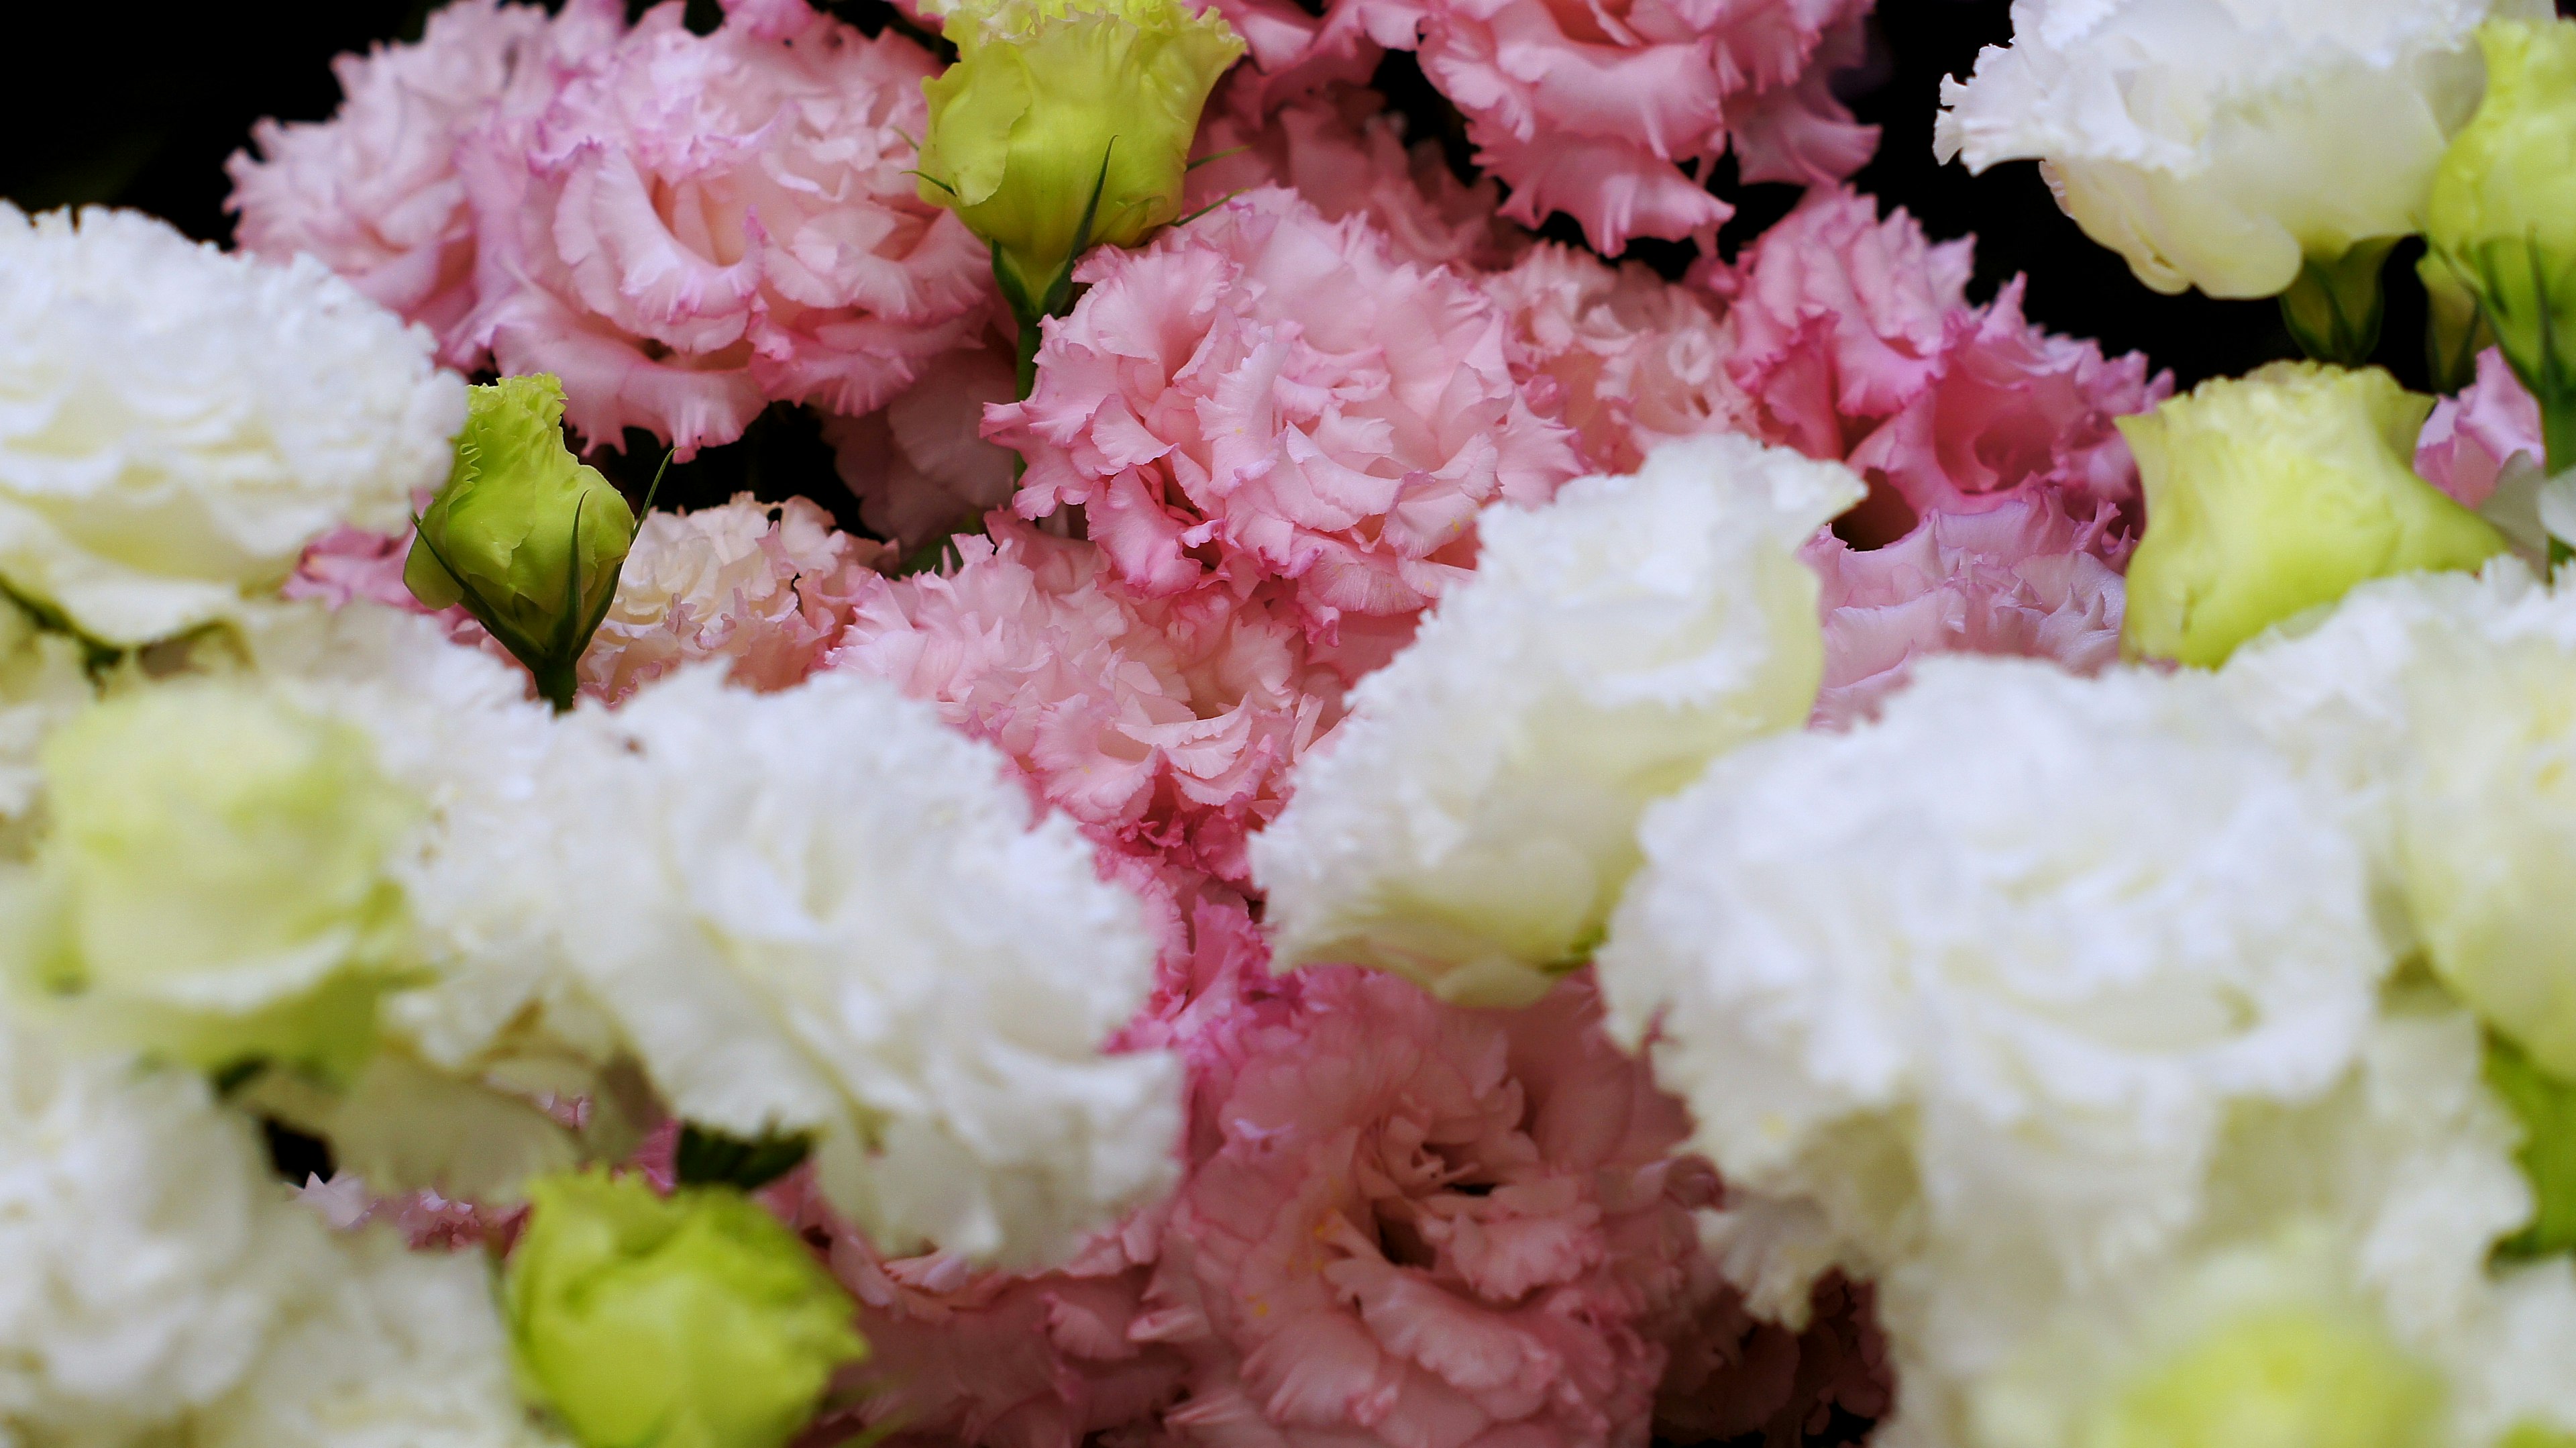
x=528, y=537
x=2274, y=493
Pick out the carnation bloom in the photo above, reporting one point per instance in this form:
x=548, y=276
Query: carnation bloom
x=1851, y=337
x=182, y=422
x=1265, y=394
x=1163, y=724
x=1344, y=151
x=148, y=1251
x=2224, y=146
x=767, y=587
x=2474, y=440
x=1877, y=999
x=695, y=226
x=1472, y=823
x=373, y=193
x=919, y=467
x=2023, y=578
x=822, y=912
x=1623, y=357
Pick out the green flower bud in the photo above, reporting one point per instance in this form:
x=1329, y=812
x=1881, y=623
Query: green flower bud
x=2546, y=1107
x=693, y=1321
x=213, y=886
x=2334, y=306
x=2455, y=332
x=2289, y=1377
x=529, y=538
x=2503, y=212
x=1066, y=124
x=2272, y=494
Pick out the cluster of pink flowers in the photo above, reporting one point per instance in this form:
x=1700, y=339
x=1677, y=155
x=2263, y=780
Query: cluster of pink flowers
x=1254, y=455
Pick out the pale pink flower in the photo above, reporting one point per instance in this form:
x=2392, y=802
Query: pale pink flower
x=373, y=193
x=1625, y=358
x=349, y=564
x=1613, y=111
x=427, y=1220
x=2021, y=578
x=1265, y=394
x=767, y=587
x=1165, y=724
x=1417, y=1225
x=919, y=467
x=2471, y=439
x=1344, y=151
x=696, y=226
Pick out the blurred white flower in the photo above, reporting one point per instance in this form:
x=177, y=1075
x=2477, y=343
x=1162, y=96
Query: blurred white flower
x=1471, y=823
x=176, y=423
x=2217, y=143
x=42, y=683
x=822, y=911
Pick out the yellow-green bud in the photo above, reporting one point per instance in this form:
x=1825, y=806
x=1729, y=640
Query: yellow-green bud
x=2503, y=211
x=2546, y=1107
x=2454, y=330
x=2529, y=1434
x=528, y=537
x=692, y=1321
x=2294, y=1377
x=213, y=886
x=1053, y=101
x=2269, y=495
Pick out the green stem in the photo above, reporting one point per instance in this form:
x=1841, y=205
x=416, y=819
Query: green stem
x=556, y=684
x=2558, y=431
x=2334, y=309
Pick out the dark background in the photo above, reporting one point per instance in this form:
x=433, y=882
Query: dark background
x=139, y=105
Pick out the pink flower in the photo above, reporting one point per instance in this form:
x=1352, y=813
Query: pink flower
x=2473, y=438
x=348, y=564
x=373, y=193
x=1731, y=1376
x=1852, y=338
x=766, y=586
x=428, y=1221
x=2021, y=578
x=1264, y=394
x=1165, y=724
x=1424, y=1226
x=1625, y=358
x=1343, y=151
x=1614, y=111
x=696, y=226
x=918, y=467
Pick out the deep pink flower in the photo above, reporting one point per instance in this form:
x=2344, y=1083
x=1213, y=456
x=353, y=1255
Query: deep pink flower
x=2021, y=578
x=1615, y=113
x=1622, y=356
x=1343, y=150
x=1167, y=723
x=1264, y=394
x=373, y=193
x=696, y=226
x=2471, y=439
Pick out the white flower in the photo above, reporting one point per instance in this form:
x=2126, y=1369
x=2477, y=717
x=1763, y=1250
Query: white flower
x=2214, y=143
x=176, y=423
x=144, y=1249
x=1472, y=821
x=1995, y=969
x=822, y=911
x=396, y=1349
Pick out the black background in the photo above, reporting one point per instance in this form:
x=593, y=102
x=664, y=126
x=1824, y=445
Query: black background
x=139, y=104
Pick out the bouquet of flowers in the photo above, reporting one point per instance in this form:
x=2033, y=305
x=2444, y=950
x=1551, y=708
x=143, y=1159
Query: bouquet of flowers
x=1321, y=822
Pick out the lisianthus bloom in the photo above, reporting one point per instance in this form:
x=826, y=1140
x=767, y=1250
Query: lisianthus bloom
x=526, y=536
x=768, y=587
x=1473, y=821
x=2472, y=441
x=1264, y=394
x=2503, y=207
x=1066, y=124
x=918, y=466
x=1623, y=357
x=2275, y=493
x=696, y=1319
x=373, y=193
x=1163, y=724
x=2021, y=579
x=185, y=421
x=1344, y=151
x=1613, y=114
x=1850, y=337
x=695, y=226
x=2227, y=149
